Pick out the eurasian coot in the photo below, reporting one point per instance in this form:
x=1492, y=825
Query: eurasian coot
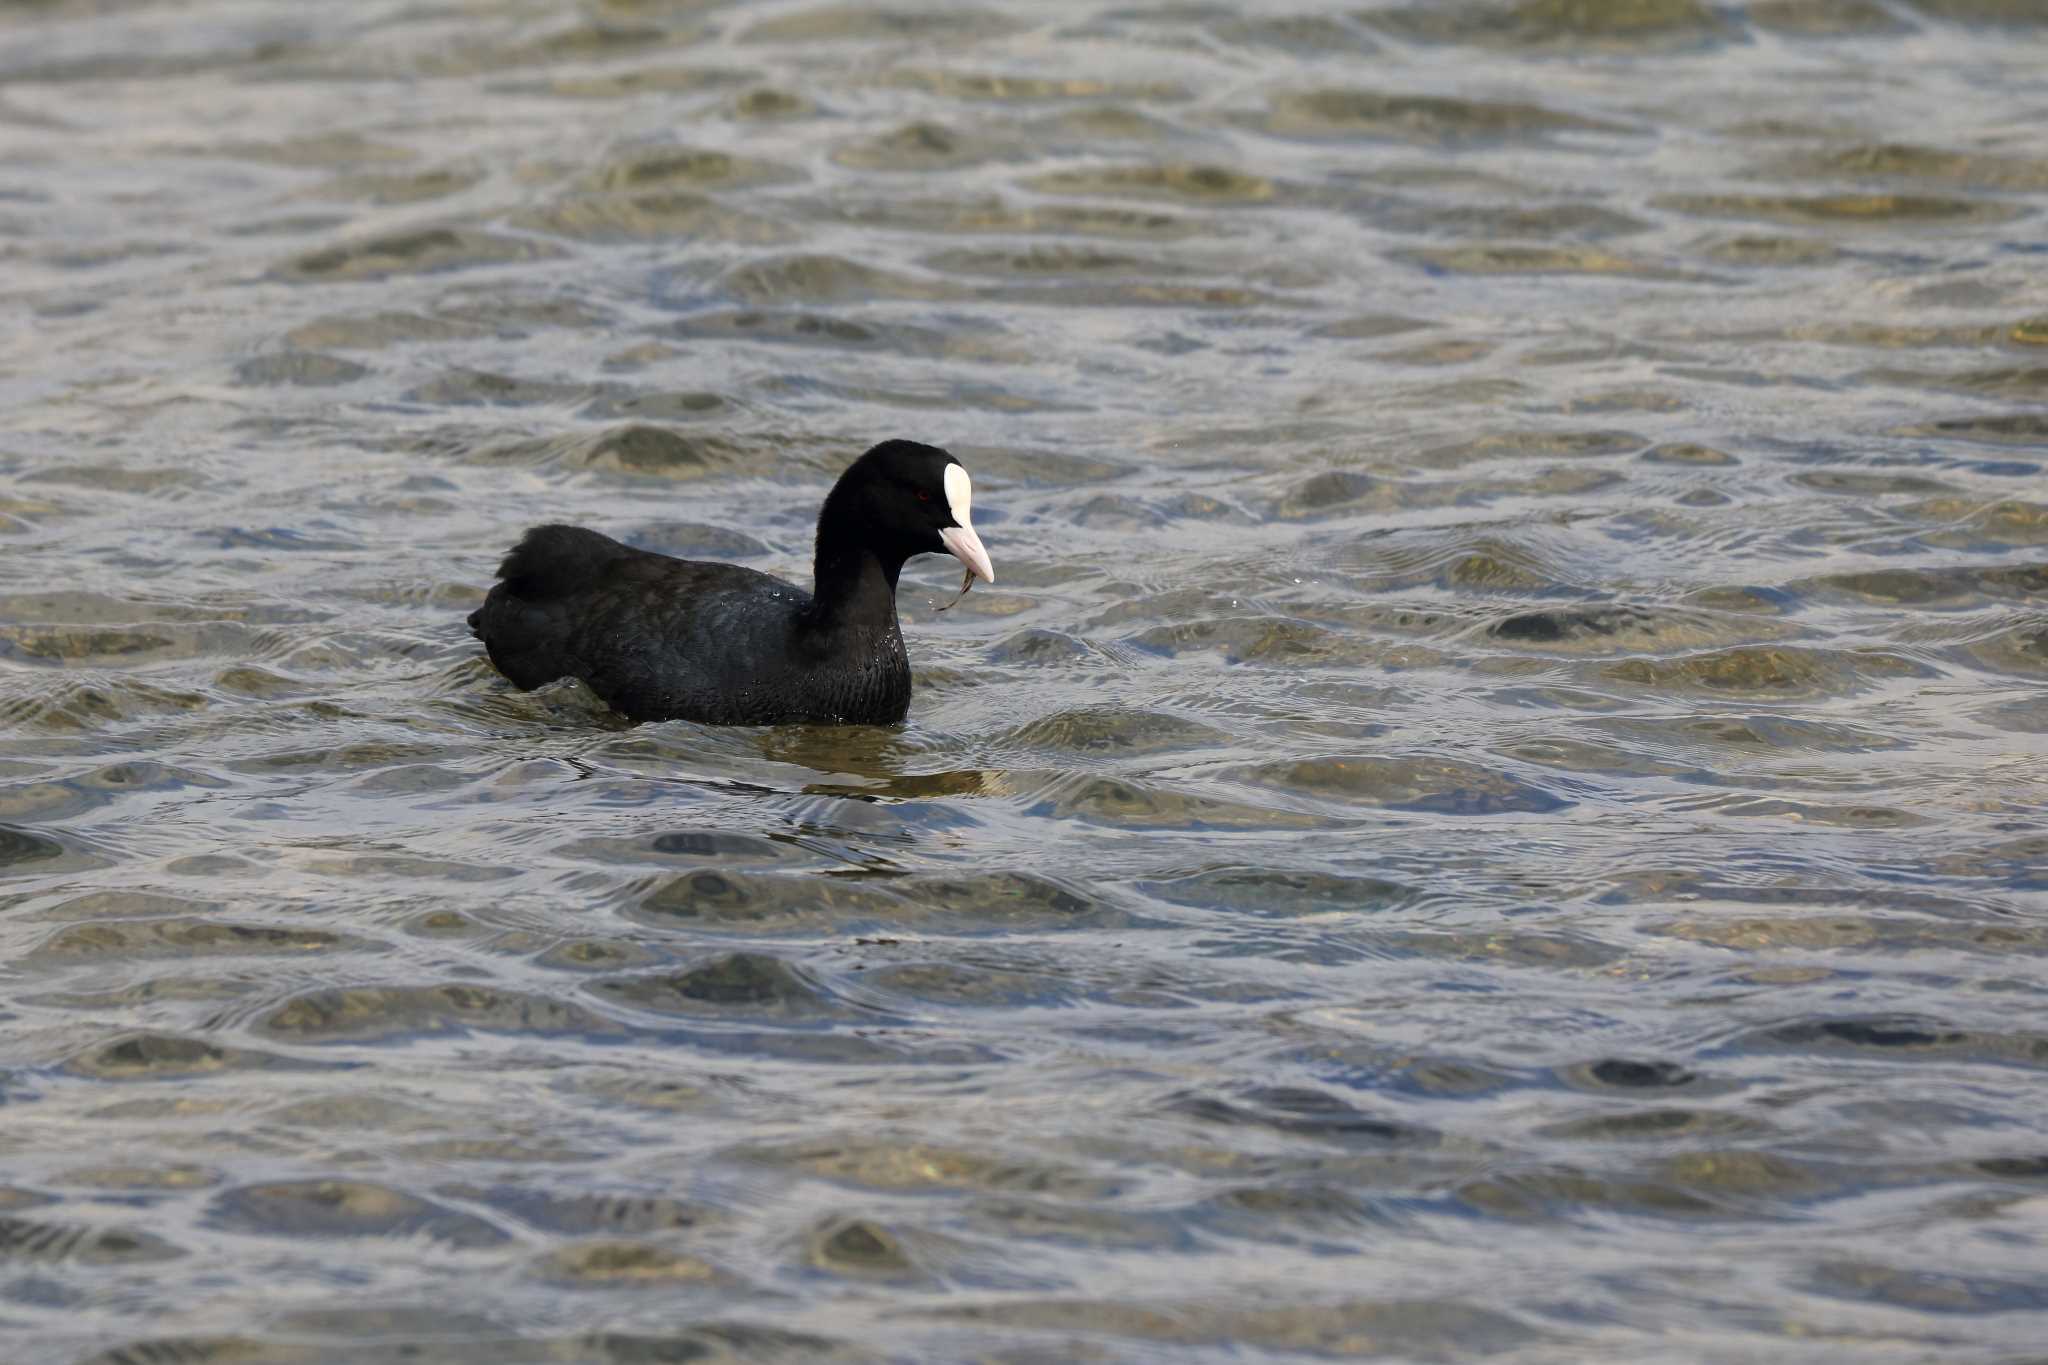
x=661, y=638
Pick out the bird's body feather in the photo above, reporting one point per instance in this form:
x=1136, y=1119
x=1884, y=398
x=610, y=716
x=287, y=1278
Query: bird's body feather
x=677, y=639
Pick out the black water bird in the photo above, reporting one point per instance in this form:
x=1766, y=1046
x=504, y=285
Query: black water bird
x=661, y=638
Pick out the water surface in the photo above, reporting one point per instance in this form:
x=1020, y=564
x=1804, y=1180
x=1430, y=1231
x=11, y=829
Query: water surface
x=1494, y=811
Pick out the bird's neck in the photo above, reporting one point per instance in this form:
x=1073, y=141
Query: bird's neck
x=853, y=589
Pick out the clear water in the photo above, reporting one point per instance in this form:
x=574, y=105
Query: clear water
x=1495, y=809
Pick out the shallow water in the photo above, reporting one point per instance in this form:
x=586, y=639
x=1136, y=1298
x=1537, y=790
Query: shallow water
x=1495, y=809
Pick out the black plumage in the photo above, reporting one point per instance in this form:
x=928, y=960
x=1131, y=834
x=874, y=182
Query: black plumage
x=661, y=638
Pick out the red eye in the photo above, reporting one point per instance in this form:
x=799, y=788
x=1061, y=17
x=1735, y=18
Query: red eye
x=923, y=496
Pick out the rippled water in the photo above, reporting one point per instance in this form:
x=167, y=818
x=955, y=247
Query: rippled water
x=1494, y=810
